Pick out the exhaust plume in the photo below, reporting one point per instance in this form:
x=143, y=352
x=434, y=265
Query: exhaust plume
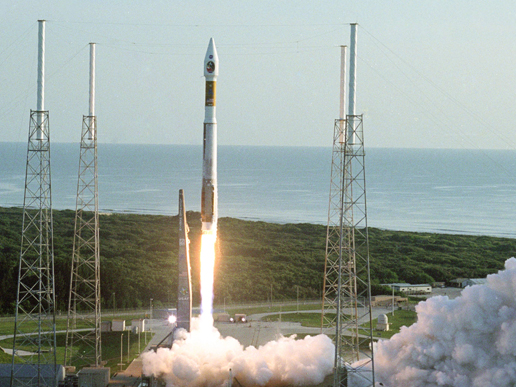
x=469, y=341
x=204, y=358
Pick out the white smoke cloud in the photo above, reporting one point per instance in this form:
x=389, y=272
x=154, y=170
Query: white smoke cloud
x=204, y=358
x=469, y=341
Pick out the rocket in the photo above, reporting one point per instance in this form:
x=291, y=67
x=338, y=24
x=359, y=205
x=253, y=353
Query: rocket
x=209, y=200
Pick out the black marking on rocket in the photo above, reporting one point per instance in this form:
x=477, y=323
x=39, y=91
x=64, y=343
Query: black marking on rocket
x=208, y=188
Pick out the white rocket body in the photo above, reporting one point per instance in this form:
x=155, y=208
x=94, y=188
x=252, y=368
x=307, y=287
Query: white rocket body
x=209, y=201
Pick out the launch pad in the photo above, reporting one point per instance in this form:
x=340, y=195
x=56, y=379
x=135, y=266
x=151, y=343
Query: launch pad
x=253, y=333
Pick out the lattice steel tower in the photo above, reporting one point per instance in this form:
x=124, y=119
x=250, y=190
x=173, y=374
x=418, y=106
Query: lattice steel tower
x=34, y=340
x=83, y=338
x=347, y=290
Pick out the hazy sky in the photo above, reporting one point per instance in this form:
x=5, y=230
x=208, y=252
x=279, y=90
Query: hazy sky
x=430, y=73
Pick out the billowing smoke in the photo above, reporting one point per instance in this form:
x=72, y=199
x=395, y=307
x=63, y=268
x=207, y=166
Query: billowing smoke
x=204, y=358
x=469, y=341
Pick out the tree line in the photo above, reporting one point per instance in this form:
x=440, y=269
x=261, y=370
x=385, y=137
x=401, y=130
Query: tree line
x=256, y=261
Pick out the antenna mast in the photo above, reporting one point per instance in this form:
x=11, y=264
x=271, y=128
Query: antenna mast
x=84, y=298
x=34, y=325
x=347, y=288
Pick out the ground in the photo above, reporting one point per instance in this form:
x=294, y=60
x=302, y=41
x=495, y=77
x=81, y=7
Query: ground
x=254, y=332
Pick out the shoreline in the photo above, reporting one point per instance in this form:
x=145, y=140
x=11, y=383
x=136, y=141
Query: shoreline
x=440, y=191
x=107, y=212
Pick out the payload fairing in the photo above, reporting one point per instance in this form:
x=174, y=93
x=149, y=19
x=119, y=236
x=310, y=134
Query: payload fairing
x=209, y=213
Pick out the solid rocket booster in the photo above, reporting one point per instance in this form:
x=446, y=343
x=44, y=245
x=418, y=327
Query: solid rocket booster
x=209, y=169
x=184, y=291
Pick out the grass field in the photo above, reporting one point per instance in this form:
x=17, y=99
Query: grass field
x=111, y=340
x=110, y=349
x=110, y=345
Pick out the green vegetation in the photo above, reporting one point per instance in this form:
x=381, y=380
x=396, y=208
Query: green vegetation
x=4, y=357
x=139, y=258
x=426, y=257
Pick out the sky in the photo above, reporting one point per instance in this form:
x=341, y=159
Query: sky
x=433, y=74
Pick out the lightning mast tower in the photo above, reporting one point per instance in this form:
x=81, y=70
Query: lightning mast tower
x=34, y=326
x=347, y=289
x=84, y=298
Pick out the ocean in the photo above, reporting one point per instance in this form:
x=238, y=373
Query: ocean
x=424, y=190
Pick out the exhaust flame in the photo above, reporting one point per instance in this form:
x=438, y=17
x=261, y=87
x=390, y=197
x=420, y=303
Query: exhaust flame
x=203, y=358
x=207, y=271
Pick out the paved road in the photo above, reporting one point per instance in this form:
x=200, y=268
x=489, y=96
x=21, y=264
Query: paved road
x=258, y=332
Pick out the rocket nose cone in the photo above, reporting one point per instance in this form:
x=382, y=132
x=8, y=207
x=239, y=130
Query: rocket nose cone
x=211, y=44
x=211, y=61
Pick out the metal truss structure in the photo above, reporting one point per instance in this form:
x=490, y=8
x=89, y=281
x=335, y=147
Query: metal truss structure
x=83, y=338
x=34, y=340
x=347, y=290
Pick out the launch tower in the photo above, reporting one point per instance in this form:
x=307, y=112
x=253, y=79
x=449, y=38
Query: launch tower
x=34, y=341
x=347, y=290
x=84, y=297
